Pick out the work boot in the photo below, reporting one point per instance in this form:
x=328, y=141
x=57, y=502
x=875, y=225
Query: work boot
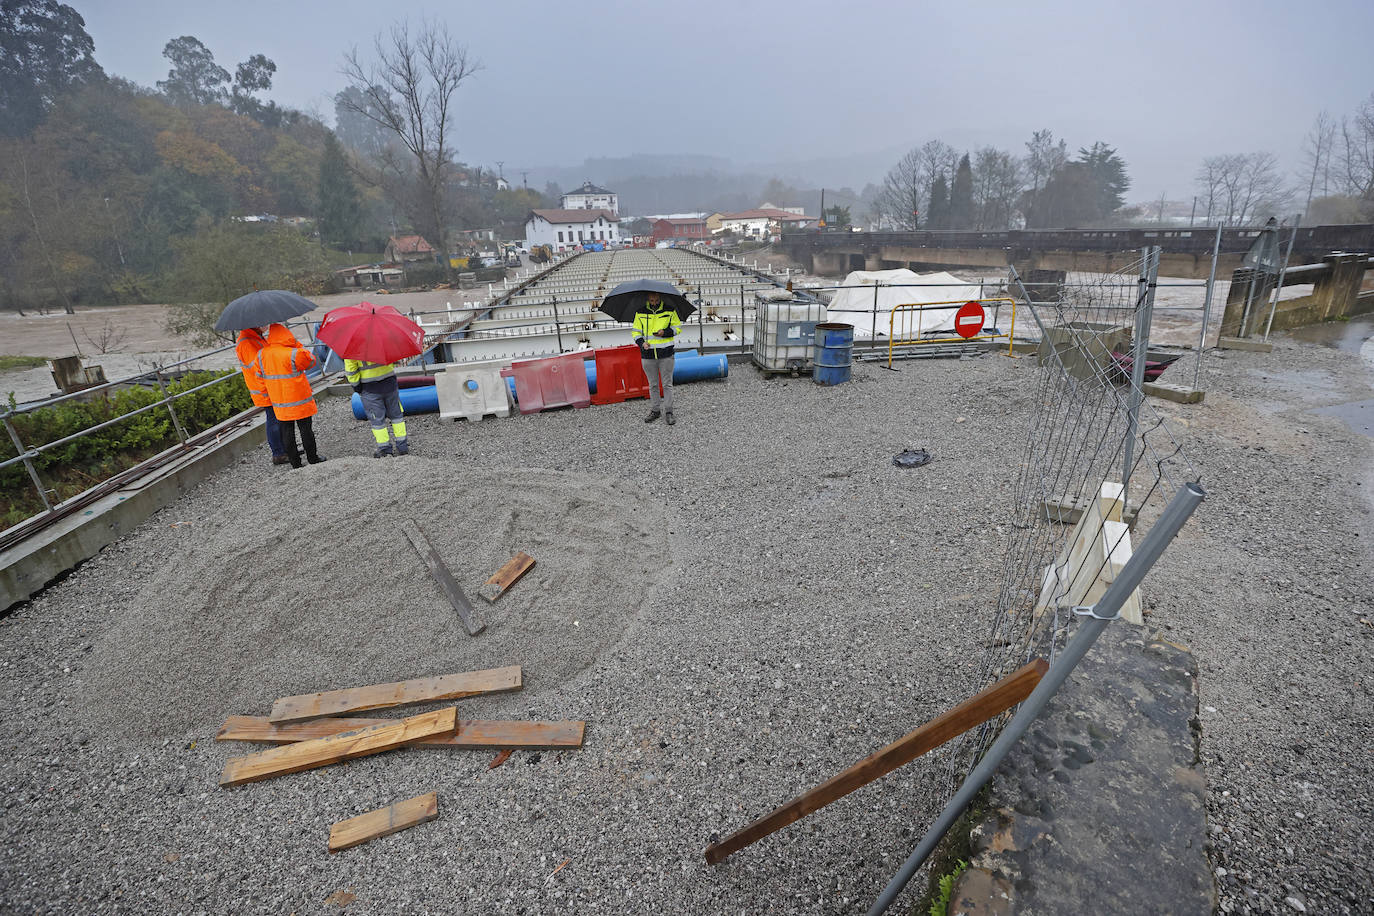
x=653, y=415
x=402, y=447
x=317, y=459
x=670, y=419
x=383, y=451
x=280, y=459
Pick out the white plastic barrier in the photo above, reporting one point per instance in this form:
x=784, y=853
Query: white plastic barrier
x=472, y=390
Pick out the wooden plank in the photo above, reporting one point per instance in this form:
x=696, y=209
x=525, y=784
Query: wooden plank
x=401, y=693
x=307, y=755
x=384, y=821
x=441, y=575
x=973, y=712
x=507, y=576
x=471, y=733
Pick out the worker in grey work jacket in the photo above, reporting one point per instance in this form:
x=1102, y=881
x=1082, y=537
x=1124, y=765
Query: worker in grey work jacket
x=656, y=328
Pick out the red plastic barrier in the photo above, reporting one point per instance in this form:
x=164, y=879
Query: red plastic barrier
x=557, y=381
x=619, y=375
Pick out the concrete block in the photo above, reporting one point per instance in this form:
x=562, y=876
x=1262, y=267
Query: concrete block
x=1101, y=807
x=1244, y=343
x=1179, y=393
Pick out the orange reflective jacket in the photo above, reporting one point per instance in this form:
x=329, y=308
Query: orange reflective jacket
x=250, y=344
x=283, y=362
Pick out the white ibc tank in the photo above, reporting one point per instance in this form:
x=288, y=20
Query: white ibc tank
x=785, y=331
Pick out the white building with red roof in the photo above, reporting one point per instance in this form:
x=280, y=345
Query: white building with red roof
x=566, y=229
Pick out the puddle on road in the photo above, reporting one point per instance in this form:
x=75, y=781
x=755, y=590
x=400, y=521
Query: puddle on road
x=1355, y=336
x=1349, y=336
x=1358, y=415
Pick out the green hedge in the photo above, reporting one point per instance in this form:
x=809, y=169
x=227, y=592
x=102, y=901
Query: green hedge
x=82, y=463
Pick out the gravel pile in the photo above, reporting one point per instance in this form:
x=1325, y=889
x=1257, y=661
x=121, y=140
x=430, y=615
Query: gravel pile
x=738, y=606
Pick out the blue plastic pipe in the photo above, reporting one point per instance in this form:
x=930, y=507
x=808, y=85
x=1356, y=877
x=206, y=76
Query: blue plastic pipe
x=688, y=367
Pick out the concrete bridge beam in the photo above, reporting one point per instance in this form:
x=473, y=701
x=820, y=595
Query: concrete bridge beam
x=1335, y=293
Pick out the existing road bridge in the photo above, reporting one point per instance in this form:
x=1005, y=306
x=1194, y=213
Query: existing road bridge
x=1186, y=252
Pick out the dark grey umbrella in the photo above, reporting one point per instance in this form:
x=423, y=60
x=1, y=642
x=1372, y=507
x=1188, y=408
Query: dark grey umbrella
x=627, y=298
x=262, y=307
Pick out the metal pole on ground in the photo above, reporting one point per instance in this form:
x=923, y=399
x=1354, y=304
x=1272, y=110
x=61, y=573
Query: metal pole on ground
x=1278, y=290
x=1207, y=308
x=1094, y=620
x=1144, y=311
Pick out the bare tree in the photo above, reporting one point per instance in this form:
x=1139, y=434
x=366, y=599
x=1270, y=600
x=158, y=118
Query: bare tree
x=1239, y=187
x=108, y=337
x=1044, y=157
x=900, y=200
x=1317, y=154
x=408, y=90
x=997, y=182
x=1357, y=151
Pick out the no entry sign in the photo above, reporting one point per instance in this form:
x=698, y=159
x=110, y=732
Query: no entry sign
x=968, y=321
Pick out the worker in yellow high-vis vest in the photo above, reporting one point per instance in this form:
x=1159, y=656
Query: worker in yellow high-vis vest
x=376, y=384
x=656, y=328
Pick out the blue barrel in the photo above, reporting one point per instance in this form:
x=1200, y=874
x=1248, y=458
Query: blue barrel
x=833, y=353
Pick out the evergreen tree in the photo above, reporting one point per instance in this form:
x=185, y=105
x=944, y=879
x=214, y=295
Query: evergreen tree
x=937, y=217
x=1109, y=172
x=44, y=50
x=340, y=210
x=195, y=78
x=961, y=196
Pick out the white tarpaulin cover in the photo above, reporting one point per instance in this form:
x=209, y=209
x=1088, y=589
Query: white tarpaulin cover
x=855, y=306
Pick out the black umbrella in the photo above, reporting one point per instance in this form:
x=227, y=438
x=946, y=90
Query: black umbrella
x=628, y=298
x=260, y=308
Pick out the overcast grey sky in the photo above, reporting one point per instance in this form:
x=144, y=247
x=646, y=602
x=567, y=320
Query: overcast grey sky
x=1166, y=82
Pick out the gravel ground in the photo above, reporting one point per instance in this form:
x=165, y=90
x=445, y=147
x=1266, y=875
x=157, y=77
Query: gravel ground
x=738, y=606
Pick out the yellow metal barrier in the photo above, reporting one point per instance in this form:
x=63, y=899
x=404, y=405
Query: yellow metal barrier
x=902, y=338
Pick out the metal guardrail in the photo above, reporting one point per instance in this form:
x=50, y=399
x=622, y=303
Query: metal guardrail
x=905, y=339
x=26, y=454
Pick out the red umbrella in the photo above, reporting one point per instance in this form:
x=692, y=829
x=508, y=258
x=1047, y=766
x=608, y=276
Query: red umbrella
x=372, y=333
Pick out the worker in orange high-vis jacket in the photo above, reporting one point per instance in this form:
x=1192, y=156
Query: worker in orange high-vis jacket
x=251, y=341
x=282, y=364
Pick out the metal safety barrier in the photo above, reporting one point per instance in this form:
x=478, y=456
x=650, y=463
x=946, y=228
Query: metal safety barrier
x=903, y=337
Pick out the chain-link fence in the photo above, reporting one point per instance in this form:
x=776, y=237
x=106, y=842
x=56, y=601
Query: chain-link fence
x=1103, y=490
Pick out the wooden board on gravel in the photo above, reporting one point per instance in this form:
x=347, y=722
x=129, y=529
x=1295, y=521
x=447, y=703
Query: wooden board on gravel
x=506, y=576
x=443, y=578
x=384, y=821
x=318, y=752
x=400, y=693
x=473, y=733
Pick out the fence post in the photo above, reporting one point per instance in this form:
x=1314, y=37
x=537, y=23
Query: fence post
x=28, y=462
x=1144, y=311
x=1179, y=510
x=167, y=402
x=1278, y=290
x=873, y=331
x=557, y=328
x=742, y=347
x=701, y=319
x=1207, y=308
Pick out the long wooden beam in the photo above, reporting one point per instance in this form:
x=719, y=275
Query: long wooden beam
x=400, y=693
x=307, y=755
x=439, y=570
x=974, y=711
x=473, y=733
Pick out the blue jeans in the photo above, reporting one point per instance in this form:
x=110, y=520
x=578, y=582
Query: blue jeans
x=273, y=433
